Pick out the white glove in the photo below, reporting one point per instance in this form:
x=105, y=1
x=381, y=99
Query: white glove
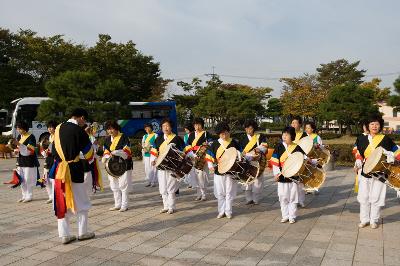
x=389, y=156
x=398, y=193
x=358, y=164
x=120, y=153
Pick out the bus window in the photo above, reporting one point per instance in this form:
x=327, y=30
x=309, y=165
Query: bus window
x=27, y=113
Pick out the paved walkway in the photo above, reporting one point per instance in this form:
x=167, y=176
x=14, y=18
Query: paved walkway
x=326, y=232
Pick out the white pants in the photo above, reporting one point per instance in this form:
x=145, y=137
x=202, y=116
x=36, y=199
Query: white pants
x=253, y=191
x=82, y=206
x=49, y=184
x=121, y=187
x=201, y=180
x=191, y=179
x=29, y=177
x=150, y=171
x=302, y=193
x=288, y=198
x=88, y=181
x=167, y=185
x=371, y=196
x=225, y=189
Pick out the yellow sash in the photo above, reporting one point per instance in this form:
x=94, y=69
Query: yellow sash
x=298, y=136
x=289, y=150
x=24, y=137
x=149, y=136
x=194, y=143
x=63, y=172
x=372, y=146
x=166, y=142
x=251, y=143
x=223, y=147
x=115, y=141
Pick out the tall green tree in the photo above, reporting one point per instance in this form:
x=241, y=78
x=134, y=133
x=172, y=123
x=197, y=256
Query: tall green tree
x=73, y=89
x=349, y=104
x=394, y=100
x=233, y=103
x=339, y=72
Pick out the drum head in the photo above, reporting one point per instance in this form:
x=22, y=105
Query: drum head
x=373, y=159
x=306, y=144
x=227, y=160
x=116, y=166
x=293, y=164
x=162, y=156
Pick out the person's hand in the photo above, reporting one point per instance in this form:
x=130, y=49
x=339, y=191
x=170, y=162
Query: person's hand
x=276, y=178
x=16, y=142
x=211, y=170
x=153, y=163
x=104, y=159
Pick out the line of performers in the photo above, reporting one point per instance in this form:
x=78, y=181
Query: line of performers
x=72, y=169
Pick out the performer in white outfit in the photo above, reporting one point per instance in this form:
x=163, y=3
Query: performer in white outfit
x=297, y=125
x=148, y=141
x=288, y=191
x=190, y=179
x=225, y=187
x=372, y=191
x=252, y=142
x=117, y=144
x=49, y=161
x=196, y=147
x=70, y=193
x=27, y=162
x=167, y=183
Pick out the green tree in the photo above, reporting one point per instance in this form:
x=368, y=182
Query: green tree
x=349, y=104
x=394, y=100
x=73, y=89
x=339, y=72
x=226, y=102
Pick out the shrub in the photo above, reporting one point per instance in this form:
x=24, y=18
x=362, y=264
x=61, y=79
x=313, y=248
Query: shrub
x=342, y=154
x=330, y=135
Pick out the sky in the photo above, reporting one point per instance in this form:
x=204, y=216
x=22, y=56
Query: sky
x=260, y=40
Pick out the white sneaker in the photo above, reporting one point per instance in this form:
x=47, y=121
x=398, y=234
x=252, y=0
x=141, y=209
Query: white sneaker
x=374, y=225
x=26, y=200
x=203, y=198
x=292, y=221
x=153, y=185
x=221, y=215
x=123, y=209
x=20, y=200
x=86, y=236
x=163, y=210
x=197, y=198
x=49, y=201
x=170, y=211
x=68, y=239
x=114, y=208
x=302, y=205
x=284, y=220
x=362, y=225
x=229, y=216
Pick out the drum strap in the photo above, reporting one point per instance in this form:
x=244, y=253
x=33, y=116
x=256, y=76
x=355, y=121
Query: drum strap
x=224, y=145
x=373, y=144
x=298, y=136
x=194, y=143
x=287, y=152
x=251, y=143
x=24, y=137
x=115, y=141
x=166, y=142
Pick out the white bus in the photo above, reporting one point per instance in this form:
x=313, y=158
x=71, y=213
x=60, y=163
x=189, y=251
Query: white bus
x=25, y=109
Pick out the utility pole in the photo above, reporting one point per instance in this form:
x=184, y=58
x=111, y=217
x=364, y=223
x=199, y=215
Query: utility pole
x=213, y=75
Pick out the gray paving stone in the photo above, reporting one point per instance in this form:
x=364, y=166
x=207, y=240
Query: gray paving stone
x=326, y=232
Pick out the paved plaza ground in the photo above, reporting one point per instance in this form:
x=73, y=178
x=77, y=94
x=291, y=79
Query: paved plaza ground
x=326, y=232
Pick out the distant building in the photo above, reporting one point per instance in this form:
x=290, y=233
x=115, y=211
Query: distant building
x=391, y=117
